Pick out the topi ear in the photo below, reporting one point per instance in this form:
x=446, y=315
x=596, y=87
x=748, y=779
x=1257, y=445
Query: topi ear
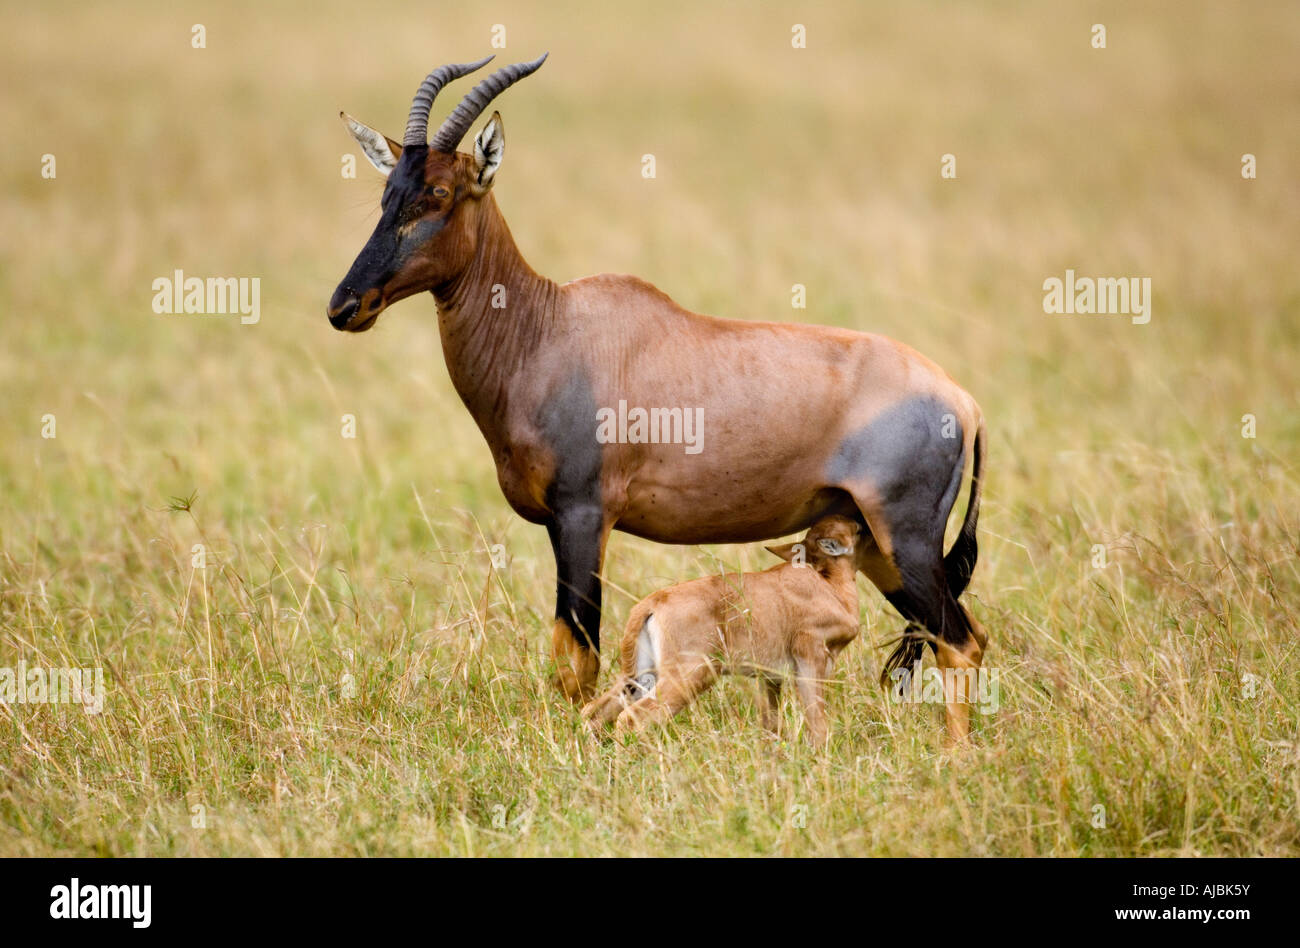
x=489, y=146
x=790, y=552
x=381, y=150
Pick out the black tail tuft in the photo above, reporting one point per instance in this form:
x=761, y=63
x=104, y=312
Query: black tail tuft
x=959, y=563
x=908, y=651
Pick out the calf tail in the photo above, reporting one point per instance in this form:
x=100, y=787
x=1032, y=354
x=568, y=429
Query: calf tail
x=641, y=660
x=631, y=629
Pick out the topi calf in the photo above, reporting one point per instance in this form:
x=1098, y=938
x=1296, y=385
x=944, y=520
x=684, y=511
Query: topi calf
x=794, y=617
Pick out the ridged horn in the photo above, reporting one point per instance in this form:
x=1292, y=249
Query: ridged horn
x=417, y=121
x=459, y=121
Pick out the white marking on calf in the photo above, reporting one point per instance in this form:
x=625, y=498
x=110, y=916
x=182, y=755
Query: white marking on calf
x=647, y=656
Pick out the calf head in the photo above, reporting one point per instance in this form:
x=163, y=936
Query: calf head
x=830, y=541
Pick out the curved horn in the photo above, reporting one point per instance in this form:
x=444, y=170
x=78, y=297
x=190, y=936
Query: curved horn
x=459, y=121
x=417, y=122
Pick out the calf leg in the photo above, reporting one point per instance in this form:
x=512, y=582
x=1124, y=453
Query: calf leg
x=674, y=691
x=602, y=712
x=769, y=695
x=811, y=667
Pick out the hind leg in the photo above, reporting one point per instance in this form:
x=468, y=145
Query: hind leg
x=960, y=664
x=903, y=470
x=904, y=559
x=923, y=598
x=673, y=692
x=602, y=712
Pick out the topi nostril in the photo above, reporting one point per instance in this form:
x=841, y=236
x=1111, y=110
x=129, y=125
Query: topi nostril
x=340, y=316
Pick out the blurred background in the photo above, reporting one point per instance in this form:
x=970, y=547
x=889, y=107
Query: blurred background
x=775, y=166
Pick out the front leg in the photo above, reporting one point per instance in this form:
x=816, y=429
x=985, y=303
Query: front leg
x=769, y=697
x=578, y=537
x=811, y=669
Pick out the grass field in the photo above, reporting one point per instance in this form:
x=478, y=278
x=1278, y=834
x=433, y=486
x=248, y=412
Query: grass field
x=348, y=674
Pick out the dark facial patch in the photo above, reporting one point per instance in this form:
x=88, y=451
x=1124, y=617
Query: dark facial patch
x=416, y=235
x=406, y=180
x=404, y=203
x=391, y=245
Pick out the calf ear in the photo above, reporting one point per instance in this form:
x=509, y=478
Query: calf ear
x=833, y=547
x=381, y=150
x=489, y=146
x=790, y=552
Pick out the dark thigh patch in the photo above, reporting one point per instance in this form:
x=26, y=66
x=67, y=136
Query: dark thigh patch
x=906, y=454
